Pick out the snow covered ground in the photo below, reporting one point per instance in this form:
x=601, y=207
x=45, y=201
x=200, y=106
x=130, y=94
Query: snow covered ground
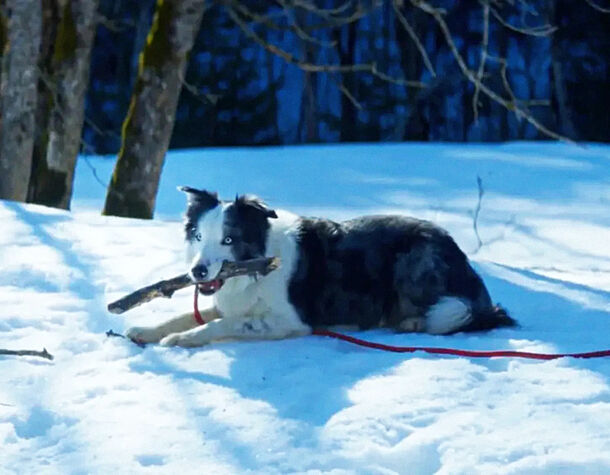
x=314, y=404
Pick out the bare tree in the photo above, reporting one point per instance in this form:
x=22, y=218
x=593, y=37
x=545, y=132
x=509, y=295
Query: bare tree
x=308, y=126
x=558, y=85
x=53, y=171
x=413, y=58
x=51, y=11
x=346, y=50
x=148, y=126
x=19, y=82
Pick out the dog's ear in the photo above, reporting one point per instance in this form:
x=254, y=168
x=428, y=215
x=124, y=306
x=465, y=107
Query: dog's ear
x=253, y=202
x=204, y=198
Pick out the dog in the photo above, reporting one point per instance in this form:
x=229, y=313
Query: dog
x=395, y=272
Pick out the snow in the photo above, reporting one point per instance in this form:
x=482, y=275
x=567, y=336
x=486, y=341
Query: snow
x=311, y=404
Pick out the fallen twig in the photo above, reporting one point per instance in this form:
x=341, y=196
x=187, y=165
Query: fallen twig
x=476, y=214
x=41, y=354
x=166, y=288
x=112, y=333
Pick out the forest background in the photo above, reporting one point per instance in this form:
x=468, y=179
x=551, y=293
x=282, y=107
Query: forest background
x=137, y=77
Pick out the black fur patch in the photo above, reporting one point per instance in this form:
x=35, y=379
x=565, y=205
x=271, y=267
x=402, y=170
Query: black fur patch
x=199, y=203
x=380, y=270
x=246, y=223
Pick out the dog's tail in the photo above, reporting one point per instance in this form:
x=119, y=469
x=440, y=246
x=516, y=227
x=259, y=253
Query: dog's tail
x=488, y=318
x=453, y=314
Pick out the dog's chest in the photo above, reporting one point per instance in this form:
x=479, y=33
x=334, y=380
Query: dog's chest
x=239, y=297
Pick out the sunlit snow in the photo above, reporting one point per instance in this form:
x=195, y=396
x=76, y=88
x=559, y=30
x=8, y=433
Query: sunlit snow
x=313, y=404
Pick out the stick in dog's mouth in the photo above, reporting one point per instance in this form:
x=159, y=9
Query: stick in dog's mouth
x=166, y=288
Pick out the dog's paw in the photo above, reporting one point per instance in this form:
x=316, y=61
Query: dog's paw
x=143, y=334
x=183, y=340
x=170, y=340
x=413, y=325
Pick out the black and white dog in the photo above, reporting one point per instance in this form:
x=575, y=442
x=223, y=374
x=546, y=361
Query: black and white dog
x=375, y=271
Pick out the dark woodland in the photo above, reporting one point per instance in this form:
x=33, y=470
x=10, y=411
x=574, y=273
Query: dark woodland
x=239, y=94
x=133, y=78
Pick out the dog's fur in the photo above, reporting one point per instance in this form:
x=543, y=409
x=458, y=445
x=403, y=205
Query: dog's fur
x=375, y=271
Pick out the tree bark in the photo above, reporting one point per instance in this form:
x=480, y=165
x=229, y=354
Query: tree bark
x=412, y=67
x=3, y=40
x=51, y=18
x=148, y=126
x=53, y=170
x=346, y=49
x=308, y=123
x=19, y=82
x=559, y=95
x=502, y=112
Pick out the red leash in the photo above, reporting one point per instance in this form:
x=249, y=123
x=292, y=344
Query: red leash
x=198, y=318
x=433, y=350
x=456, y=352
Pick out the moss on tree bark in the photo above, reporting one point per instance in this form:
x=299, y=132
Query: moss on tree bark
x=148, y=126
x=61, y=117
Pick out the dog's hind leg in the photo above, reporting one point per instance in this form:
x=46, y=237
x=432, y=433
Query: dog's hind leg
x=176, y=325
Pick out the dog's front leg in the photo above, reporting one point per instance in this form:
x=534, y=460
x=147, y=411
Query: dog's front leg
x=175, y=325
x=238, y=328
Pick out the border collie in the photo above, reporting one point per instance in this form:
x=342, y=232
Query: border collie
x=374, y=271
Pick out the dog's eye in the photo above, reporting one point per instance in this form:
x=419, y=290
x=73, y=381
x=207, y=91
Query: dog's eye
x=192, y=233
x=227, y=240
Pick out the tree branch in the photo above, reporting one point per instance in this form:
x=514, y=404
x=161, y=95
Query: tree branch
x=512, y=104
x=345, y=91
x=475, y=218
x=411, y=32
x=481, y=70
x=595, y=6
x=266, y=20
x=540, y=30
x=370, y=68
x=332, y=16
x=40, y=354
x=166, y=288
x=326, y=13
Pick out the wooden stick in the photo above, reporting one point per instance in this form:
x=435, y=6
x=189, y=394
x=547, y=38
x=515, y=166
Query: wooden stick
x=166, y=288
x=41, y=354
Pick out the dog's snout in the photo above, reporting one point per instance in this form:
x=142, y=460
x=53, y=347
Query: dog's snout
x=199, y=272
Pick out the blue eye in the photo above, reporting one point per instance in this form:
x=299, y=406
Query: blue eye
x=227, y=240
x=198, y=236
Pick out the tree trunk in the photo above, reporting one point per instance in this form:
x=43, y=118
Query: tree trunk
x=308, y=123
x=559, y=95
x=51, y=17
x=501, y=111
x=346, y=49
x=412, y=66
x=53, y=171
x=3, y=41
x=19, y=82
x=148, y=126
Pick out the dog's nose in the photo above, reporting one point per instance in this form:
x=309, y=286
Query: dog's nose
x=199, y=272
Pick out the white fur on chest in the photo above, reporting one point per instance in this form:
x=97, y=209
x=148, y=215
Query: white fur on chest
x=266, y=299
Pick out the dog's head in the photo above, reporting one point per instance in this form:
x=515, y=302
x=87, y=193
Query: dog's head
x=218, y=231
